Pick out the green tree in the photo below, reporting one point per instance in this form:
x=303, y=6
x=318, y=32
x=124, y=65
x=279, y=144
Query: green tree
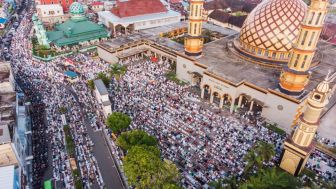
x=90, y=84
x=117, y=70
x=167, y=175
x=136, y=137
x=265, y=150
x=104, y=78
x=140, y=164
x=226, y=183
x=118, y=122
x=271, y=178
x=253, y=161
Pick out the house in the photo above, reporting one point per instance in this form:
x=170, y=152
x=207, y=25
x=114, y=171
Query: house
x=97, y=6
x=132, y=15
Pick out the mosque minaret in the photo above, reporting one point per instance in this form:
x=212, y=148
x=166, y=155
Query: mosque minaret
x=295, y=76
x=298, y=146
x=193, y=43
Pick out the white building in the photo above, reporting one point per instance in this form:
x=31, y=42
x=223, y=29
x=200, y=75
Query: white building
x=133, y=15
x=102, y=96
x=22, y=139
x=9, y=177
x=51, y=14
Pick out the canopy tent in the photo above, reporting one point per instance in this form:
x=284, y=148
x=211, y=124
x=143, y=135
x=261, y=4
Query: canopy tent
x=47, y=184
x=70, y=74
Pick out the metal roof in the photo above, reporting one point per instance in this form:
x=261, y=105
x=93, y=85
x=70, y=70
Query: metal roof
x=100, y=86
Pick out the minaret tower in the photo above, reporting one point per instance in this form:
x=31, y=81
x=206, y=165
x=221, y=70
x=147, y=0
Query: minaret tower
x=299, y=145
x=193, y=42
x=295, y=75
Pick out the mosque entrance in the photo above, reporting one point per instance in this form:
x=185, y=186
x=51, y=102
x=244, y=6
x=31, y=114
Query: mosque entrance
x=196, y=79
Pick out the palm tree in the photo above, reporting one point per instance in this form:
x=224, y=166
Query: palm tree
x=118, y=70
x=271, y=178
x=253, y=161
x=226, y=183
x=265, y=150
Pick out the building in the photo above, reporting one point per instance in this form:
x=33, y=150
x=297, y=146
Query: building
x=97, y=6
x=22, y=140
x=240, y=71
x=102, y=96
x=227, y=20
x=51, y=14
x=7, y=94
x=7, y=149
x=133, y=15
x=64, y=3
x=76, y=30
x=298, y=146
x=9, y=177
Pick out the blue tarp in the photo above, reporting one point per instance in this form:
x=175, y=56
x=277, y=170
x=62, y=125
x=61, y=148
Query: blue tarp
x=70, y=74
x=3, y=20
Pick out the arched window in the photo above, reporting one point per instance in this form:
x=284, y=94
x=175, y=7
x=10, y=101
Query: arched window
x=311, y=18
x=195, y=28
x=304, y=61
x=318, y=18
x=304, y=37
x=297, y=60
x=311, y=39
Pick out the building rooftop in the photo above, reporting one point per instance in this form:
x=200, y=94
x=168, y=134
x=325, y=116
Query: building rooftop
x=7, y=155
x=223, y=62
x=100, y=86
x=138, y=7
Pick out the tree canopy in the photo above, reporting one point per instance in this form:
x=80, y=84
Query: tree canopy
x=118, y=122
x=117, y=70
x=143, y=165
x=136, y=137
x=104, y=78
x=271, y=178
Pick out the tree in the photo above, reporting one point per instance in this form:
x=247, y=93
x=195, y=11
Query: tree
x=265, y=150
x=261, y=152
x=226, y=183
x=167, y=176
x=253, y=161
x=140, y=165
x=136, y=137
x=118, y=122
x=90, y=84
x=104, y=78
x=117, y=70
x=271, y=178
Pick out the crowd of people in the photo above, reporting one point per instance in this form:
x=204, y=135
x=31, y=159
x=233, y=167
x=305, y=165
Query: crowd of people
x=207, y=144
x=50, y=94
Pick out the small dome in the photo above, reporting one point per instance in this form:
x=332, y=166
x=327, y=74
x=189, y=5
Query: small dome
x=76, y=8
x=323, y=87
x=272, y=27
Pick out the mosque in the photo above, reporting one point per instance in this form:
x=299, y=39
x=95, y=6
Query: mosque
x=76, y=30
x=270, y=66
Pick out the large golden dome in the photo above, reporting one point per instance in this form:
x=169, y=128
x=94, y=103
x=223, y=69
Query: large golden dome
x=271, y=28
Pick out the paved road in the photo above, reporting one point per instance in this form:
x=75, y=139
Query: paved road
x=104, y=156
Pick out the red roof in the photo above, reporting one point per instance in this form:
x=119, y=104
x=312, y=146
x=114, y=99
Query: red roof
x=138, y=7
x=175, y=1
x=97, y=3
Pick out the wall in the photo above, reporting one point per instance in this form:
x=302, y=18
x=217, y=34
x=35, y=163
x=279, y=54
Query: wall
x=106, y=56
x=185, y=67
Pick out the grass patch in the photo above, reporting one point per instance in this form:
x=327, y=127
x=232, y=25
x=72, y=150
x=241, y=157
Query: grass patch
x=275, y=129
x=78, y=179
x=172, y=77
x=70, y=145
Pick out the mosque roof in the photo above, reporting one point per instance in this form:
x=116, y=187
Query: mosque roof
x=76, y=8
x=75, y=31
x=138, y=7
x=273, y=24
